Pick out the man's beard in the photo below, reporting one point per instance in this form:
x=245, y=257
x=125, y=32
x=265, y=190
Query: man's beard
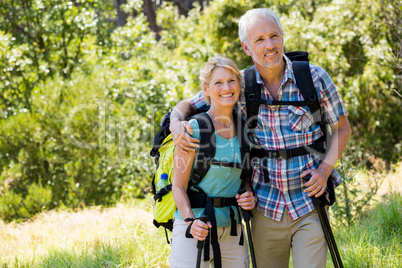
x=268, y=65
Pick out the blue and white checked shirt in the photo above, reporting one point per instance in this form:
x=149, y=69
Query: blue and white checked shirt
x=285, y=127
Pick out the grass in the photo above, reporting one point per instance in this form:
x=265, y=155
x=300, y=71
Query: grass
x=124, y=236
x=376, y=241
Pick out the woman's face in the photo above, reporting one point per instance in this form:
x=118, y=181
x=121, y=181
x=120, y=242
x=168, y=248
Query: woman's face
x=223, y=87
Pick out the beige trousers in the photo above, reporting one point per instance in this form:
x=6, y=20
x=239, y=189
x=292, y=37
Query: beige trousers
x=273, y=241
x=184, y=250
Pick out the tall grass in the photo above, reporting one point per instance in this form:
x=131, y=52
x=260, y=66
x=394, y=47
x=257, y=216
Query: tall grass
x=124, y=236
x=375, y=241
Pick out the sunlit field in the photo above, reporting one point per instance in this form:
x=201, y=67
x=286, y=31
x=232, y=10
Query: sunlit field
x=124, y=236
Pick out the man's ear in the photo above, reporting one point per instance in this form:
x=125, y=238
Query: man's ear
x=246, y=49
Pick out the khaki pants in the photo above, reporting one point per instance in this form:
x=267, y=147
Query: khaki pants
x=184, y=250
x=273, y=241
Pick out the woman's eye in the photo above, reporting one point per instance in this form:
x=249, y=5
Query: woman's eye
x=218, y=82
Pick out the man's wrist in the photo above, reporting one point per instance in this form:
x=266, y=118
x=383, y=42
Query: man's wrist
x=326, y=169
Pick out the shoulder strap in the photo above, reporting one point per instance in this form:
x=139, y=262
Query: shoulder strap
x=161, y=135
x=304, y=81
x=207, y=147
x=244, y=147
x=253, y=96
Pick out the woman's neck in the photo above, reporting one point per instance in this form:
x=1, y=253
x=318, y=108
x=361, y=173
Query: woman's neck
x=223, y=121
x=223, y=114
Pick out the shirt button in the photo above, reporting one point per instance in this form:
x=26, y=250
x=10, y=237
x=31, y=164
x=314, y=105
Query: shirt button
x=285, y=192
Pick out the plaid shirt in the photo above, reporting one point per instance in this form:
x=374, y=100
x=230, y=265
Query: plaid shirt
x=286, y=127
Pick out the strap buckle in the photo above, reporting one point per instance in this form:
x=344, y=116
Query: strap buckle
x=218, y=202
x=282, y=154
x=251, y=97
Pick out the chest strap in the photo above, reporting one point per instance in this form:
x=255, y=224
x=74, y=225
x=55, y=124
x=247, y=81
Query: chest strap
x=318, y=146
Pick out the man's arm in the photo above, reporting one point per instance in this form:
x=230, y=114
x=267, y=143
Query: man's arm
x=318, y=182
x=179, y=127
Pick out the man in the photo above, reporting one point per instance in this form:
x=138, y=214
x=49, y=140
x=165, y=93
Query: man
x=285, y=218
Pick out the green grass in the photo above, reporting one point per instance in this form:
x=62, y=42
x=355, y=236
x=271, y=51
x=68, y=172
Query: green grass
x=375, y=241
x=124, y=236
x=116, y=237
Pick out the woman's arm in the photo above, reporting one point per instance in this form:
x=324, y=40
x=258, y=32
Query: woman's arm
x=182, y=167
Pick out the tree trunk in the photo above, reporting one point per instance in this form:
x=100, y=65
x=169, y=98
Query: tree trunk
x=121, y=15
x=151, y=16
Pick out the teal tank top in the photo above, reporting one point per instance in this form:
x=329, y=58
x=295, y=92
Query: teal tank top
x=220, y=181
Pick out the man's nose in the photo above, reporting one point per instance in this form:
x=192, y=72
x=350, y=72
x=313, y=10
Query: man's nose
x=269, y=44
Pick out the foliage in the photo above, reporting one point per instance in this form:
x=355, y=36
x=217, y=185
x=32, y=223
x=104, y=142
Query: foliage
x=82, y=98
x=50, y=37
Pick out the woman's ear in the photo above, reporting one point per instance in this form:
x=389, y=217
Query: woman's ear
x=205, y=90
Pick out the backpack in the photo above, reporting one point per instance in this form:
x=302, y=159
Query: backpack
x=163, y=152
x=304, y=81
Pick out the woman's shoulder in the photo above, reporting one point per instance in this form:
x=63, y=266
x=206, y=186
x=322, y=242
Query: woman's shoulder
x=196, y=128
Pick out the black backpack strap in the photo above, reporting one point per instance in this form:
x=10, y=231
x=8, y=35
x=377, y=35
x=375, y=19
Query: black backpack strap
x=253, y=96
x=207, y=147
x=244, y=145
x=297, y=55
x=304, y=81
x=161, y=135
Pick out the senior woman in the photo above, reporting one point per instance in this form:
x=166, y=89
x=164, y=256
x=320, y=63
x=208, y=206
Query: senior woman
x=221, y=85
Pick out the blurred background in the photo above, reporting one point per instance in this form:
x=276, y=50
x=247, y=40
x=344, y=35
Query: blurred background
x=84, y=85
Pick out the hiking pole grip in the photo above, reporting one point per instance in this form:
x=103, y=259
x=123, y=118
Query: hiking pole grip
x=200, y=244
x=246, y=213
x=316, y=201
x=247, y=217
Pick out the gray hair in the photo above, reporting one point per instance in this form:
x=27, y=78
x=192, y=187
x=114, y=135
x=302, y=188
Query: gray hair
x=211, y=65
x=252, y=14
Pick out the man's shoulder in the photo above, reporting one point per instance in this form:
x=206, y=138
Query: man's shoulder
x=318, y=73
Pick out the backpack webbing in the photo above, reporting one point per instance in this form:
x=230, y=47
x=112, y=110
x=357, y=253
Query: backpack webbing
x=304, y=81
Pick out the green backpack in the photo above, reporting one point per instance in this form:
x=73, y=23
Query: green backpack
x=163, y=152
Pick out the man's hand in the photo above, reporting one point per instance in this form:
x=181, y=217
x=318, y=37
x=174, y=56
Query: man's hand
x=317, y=185
x=319, y=177
x=246, y=200
x=181, y=129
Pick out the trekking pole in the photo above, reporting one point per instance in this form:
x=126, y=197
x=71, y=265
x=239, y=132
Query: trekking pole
x=247, y=217
x=326, y=227
x=200, y=244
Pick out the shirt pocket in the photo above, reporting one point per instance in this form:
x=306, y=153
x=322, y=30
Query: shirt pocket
x=300, y=118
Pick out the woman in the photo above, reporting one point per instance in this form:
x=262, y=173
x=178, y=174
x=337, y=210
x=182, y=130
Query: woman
x=221, y=85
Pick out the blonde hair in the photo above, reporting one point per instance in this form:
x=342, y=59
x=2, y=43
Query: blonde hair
x=211, y=65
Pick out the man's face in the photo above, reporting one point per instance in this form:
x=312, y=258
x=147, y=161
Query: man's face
x=265, y=42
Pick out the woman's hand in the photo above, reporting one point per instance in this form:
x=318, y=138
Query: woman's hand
x=199, y=229
x=246, y=200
